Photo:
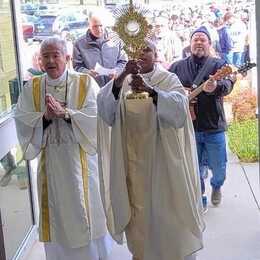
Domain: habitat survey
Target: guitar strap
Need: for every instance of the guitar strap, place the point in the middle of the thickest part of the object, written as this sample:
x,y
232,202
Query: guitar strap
x,y
204,71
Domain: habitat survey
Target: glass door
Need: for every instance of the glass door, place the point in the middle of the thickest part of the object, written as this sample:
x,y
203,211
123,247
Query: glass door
x,y
15,200
2,249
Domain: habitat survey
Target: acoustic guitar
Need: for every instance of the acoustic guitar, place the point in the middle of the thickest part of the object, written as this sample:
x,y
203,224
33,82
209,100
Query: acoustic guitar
x,y
220,74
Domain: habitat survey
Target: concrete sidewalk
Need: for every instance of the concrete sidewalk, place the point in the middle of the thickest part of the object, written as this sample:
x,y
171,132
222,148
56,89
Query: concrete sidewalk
x,y
232,229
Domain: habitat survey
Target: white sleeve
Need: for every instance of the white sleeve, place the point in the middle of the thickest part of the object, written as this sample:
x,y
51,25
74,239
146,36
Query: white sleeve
x,y
107,104
172,105
29,125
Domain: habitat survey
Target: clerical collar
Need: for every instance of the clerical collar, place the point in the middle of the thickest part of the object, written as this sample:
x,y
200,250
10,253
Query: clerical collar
x,y
149,74
57,82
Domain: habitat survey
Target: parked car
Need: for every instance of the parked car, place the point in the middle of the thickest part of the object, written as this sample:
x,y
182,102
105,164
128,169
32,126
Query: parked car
x,y
110,6
28,9
28,29
28,26
43,27
73,24
43,9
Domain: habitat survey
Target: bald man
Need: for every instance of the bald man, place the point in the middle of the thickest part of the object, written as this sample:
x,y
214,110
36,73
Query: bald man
x,y
95,47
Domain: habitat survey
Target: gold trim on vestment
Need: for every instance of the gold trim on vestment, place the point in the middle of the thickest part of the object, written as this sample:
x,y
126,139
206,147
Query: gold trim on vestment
x,y
83,81
84,166
83,89
37,93
45,217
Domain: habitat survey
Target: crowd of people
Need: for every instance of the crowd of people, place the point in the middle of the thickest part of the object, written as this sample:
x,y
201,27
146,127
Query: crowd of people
x,y
229,26
110,164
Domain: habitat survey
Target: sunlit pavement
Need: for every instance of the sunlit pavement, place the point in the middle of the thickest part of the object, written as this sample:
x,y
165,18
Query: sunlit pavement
x,y
233,228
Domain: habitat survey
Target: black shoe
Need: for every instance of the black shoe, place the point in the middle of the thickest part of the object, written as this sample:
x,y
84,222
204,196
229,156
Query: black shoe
x,y
216,196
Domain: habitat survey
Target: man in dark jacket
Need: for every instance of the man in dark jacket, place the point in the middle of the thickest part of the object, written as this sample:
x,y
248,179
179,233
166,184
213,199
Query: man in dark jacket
x,y
225,41
209,118
95,47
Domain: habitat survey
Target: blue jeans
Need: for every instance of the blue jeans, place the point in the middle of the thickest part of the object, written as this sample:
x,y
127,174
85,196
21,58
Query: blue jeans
x,y
235,58
226,57
213,147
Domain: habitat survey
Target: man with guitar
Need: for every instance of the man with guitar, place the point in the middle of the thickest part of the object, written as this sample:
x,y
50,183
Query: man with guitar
x,y
207,109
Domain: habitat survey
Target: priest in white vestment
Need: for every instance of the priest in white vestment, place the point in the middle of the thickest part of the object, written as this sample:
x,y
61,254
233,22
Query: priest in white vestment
x,y
151,188
56,119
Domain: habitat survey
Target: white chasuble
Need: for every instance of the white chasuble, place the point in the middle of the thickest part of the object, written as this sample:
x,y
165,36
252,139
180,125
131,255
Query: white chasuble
x,y
154,189
140,131
71,211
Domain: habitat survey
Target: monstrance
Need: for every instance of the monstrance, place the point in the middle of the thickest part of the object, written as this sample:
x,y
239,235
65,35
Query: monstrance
x,y
132,28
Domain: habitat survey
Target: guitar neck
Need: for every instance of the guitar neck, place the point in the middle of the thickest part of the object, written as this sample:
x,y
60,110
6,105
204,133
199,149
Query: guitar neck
x,y
221,73
199,89
196,91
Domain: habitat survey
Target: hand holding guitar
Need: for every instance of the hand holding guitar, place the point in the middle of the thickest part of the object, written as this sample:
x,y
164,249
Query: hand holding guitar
x,y
225,71
211,84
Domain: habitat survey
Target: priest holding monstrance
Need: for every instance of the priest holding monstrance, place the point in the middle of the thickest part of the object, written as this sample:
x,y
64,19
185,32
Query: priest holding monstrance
x,y
150,184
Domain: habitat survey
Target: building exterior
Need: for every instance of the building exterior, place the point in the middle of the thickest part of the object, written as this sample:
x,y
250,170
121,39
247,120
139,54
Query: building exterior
x,y
18,197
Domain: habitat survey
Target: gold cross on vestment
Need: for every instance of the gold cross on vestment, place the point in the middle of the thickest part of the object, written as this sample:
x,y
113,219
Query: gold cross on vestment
x,y
58,88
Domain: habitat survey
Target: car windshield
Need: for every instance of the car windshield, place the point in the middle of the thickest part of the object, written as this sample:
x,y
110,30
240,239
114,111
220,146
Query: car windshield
x,y
47,19
71,17
27,7
30,18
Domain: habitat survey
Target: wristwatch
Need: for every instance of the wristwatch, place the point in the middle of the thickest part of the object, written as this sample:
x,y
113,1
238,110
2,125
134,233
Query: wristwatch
x,y
67,115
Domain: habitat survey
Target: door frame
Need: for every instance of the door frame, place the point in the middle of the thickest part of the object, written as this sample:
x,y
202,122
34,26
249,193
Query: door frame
x,y
257,18
2,242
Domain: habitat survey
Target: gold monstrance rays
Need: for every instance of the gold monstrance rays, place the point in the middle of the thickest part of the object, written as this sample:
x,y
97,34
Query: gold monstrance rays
x,y
131,27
